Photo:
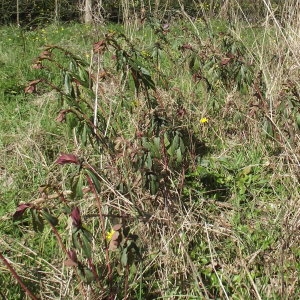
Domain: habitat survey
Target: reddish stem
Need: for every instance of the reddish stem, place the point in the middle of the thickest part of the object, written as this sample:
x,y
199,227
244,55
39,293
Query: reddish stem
x,y
17,277
99,204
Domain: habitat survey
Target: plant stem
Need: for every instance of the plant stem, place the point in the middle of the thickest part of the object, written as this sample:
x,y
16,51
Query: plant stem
x,y
17,277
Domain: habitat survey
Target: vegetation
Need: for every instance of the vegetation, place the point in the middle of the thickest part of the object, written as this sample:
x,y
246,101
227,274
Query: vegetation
x,y
151,160
38,12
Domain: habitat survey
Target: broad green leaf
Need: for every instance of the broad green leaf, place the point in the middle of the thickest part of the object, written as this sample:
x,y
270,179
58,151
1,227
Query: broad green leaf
x,y
181,145
86,243
124,257
148,161
51,219
298,120
155,147
86,274
153,184
94,179
84,76
72,65
174,145
268,128
77,185
84,135
178,156
166,140
37,221
76,239
247,170
67,84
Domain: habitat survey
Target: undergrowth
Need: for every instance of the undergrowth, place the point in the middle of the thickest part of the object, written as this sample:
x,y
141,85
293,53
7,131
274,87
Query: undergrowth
x,y
160,164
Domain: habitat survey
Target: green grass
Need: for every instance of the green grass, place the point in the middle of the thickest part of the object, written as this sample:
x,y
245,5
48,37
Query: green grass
x,y
227,226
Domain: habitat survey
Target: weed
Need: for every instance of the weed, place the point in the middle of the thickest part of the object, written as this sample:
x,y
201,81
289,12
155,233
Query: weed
x,y
160,167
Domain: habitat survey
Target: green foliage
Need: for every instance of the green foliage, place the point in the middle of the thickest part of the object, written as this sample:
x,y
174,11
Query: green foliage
x,y
170,141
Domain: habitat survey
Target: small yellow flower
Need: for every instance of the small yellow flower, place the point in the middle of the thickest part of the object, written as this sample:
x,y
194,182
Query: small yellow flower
x,y
203,120
109,234
145,54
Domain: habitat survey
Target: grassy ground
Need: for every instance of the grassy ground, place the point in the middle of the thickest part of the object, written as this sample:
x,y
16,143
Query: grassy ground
x,y
219,220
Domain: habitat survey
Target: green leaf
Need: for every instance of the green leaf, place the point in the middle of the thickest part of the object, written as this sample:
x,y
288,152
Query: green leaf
x,y
142,73
94,179
148,82
298,120
153,184
67,84
37,221
124,257
51,219
268,128
166,140
174,145
84,76
86,274
178,156
72,65
77,185
247,170
148,161
181,145
84,135
192,63
155,147
86,243
76,239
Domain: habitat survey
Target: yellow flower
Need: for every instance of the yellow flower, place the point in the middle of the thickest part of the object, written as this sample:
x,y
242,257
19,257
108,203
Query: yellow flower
x,y
203,120
109,234
145,54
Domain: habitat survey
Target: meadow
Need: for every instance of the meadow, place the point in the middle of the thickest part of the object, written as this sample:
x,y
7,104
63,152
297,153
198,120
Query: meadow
x,y
150,161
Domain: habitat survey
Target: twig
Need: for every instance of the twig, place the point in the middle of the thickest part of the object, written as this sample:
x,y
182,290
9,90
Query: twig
x,y
17,277
99,205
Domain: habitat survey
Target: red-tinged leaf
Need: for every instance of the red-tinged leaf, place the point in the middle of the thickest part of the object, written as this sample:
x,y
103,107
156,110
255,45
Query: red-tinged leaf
x,y
99,46
70,263
115,236
68,159
76,218
225,61
181,112
113,245
37,65
117,227
62,115
72,256
166,26
186,47
45,54
20,210
31,88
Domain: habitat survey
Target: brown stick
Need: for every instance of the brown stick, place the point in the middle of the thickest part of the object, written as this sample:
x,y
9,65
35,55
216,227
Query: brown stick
x,y
17,277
